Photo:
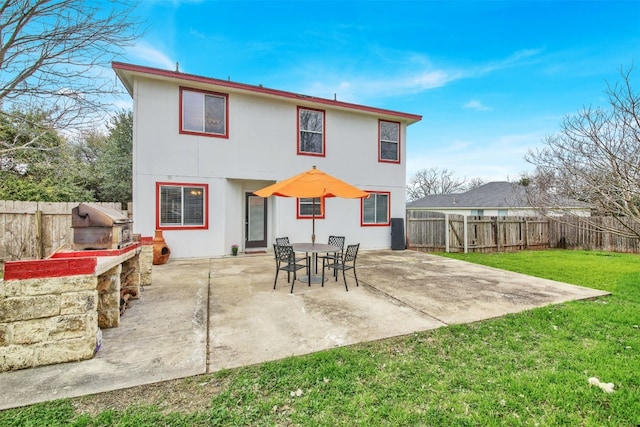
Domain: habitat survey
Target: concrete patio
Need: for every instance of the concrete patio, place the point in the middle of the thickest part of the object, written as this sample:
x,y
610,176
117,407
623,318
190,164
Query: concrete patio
x,y
204,315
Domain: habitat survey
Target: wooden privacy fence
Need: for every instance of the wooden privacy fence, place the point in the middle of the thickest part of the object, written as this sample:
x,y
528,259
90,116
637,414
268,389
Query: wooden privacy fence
x,y
435,231
34,230
440,232
587,233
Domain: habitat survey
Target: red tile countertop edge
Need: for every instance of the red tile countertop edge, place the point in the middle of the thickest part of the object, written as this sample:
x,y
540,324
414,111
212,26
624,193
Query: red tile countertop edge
x,y
61,264
52,267
95,252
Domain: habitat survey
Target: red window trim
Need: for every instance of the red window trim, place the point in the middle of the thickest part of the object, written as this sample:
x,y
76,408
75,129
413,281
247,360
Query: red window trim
x,y
380,159
324,132
300,216
226,114
179,227
388,223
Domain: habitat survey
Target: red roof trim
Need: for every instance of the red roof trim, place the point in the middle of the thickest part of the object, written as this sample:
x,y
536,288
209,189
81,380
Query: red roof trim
x,y
258,89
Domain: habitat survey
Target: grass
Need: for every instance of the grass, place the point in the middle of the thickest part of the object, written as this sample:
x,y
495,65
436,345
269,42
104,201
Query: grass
x,y
528,369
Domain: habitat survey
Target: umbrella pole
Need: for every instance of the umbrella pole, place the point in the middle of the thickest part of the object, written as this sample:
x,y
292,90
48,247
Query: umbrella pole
x,y
313,221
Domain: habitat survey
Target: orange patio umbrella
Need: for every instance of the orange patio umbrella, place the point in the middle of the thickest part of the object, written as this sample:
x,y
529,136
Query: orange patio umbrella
x,y
312,183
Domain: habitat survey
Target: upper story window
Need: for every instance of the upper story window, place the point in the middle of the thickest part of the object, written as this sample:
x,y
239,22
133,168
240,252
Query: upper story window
x,y
389,142
203,113
181,206
310,132
307,207
376,208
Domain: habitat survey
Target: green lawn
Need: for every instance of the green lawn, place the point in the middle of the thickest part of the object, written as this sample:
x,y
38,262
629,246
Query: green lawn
x,y
529,369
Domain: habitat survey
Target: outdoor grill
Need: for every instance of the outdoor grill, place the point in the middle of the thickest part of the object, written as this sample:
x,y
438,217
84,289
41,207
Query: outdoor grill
x,y
99,227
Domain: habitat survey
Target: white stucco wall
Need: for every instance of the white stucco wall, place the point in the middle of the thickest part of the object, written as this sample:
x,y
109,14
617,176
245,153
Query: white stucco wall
x,y
260,150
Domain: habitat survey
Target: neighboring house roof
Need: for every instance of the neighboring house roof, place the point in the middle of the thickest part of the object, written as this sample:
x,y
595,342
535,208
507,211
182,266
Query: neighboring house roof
x,y
127,72
498,194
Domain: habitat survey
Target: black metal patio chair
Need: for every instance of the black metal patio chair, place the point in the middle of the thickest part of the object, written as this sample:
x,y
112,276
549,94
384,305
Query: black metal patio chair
x,y
286,261
336,256
348,262
285,241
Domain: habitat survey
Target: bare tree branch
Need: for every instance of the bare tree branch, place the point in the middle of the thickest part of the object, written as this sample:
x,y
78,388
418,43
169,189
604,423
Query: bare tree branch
x,y
55,57
595,158
437,181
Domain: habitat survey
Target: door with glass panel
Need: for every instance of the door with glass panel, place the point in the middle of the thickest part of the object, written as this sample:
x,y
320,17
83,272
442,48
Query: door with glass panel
x,y
255,221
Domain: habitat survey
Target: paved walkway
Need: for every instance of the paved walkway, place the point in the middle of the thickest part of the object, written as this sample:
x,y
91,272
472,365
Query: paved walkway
x,y
203,315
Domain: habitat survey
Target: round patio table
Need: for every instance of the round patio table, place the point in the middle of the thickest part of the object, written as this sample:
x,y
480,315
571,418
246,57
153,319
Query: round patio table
x,y
313,248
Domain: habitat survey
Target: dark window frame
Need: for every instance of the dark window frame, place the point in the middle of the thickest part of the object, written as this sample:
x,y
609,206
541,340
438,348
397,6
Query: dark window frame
x,y
320,204
300,131
225,120
373,196
160,225
382,140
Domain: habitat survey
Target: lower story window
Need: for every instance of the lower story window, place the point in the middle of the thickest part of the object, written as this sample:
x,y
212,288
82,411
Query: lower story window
x,y
376,208
181,206
310,207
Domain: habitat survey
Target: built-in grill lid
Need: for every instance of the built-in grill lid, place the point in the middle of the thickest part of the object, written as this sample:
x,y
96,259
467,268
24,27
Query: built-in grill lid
x,y
92,215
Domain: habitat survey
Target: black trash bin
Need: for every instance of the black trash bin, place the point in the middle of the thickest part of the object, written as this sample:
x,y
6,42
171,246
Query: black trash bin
x,y
398,241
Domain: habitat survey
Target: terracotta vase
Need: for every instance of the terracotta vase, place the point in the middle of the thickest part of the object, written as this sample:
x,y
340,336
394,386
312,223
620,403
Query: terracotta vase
x,y
161,251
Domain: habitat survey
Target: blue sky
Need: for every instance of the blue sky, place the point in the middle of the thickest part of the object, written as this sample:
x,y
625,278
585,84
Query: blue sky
x,y
490,78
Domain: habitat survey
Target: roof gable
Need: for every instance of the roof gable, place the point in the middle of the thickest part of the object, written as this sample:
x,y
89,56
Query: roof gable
x,y
127,72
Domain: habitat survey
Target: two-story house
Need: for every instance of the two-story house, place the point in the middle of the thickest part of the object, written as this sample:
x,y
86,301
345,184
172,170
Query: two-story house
x,y
202,146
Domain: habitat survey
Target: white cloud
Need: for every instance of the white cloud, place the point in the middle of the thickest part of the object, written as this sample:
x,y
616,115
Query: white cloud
x,y
123,104
414,74
474,104
523,54
434,79
151,56
360,89
197,33
515,59
493,158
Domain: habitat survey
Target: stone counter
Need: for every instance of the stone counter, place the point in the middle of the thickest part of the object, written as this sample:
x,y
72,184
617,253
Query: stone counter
x,y
51,309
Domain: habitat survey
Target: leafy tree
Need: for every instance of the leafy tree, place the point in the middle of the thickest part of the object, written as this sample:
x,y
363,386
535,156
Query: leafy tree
x,y
44,173
114,162
54,57
86,150
595,158
45,190
96,166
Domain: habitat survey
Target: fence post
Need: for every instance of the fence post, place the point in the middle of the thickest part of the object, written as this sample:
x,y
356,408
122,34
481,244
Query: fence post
x,y
39,234
446,233
498,236
464,234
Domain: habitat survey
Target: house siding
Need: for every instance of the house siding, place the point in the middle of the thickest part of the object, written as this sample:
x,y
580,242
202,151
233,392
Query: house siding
x,y
260,149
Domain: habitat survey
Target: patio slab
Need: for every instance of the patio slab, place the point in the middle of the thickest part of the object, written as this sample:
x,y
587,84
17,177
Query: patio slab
x,y
250,322
454,291
203,315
